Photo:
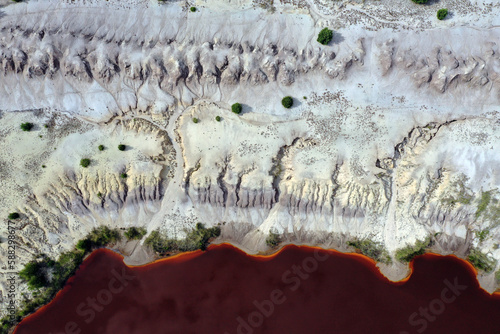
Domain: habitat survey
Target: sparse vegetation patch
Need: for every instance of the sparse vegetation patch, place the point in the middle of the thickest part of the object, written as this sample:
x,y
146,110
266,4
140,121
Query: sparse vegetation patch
x,y
372,249
481,261
135,233
273,240
197,238
407,253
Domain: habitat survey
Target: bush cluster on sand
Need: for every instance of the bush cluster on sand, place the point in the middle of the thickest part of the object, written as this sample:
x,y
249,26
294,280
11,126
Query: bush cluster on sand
x,y
287,102
26,126
407,253
197,238
325,36
13,215
442,13
481,261
135,233
372,249
237,108
101,147
195,120
420,2
122,147
85,163
273,240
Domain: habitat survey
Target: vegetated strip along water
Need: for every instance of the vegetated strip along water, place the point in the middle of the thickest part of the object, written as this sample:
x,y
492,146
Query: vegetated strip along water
x,y
298,290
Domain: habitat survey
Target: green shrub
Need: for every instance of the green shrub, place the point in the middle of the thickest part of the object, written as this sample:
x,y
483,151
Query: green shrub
x,y
421,2
482,235
14,215
325,36
217,118
26,126
101,147
34,274
236,108
43,166
99,194
103,235
481,261
85,163
193,9
273,240
287,102
123,175
135,233
442,13
197,238
122,147
195,120
372,249
84,245
407,253
483,203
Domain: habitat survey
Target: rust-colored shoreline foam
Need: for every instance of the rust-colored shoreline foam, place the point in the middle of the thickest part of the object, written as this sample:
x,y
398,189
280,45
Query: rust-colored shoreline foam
x,y
187,256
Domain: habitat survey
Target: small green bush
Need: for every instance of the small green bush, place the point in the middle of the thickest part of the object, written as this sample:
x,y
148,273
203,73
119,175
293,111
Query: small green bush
x,y
372,249
481,261
195,120
273,240
420,2
197,238
46,126
34,274
193,9
237,108
122,147
26,126
407,253
43,166
325,36
217,118
99,194
14,215
135,233
85,163
101,147
442,13
287,102
123,175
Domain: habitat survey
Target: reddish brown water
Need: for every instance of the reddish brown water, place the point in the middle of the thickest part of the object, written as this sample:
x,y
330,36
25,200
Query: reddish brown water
x,y
300,290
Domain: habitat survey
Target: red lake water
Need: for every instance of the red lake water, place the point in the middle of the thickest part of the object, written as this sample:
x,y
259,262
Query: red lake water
x,y
299,290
